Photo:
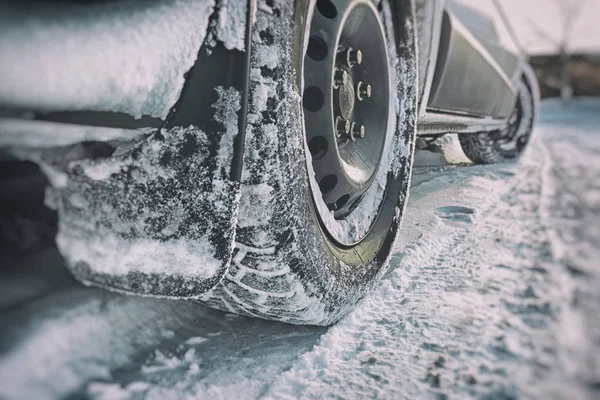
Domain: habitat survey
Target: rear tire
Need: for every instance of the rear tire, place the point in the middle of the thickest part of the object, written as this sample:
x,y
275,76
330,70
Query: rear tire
x,y
287,265
506,145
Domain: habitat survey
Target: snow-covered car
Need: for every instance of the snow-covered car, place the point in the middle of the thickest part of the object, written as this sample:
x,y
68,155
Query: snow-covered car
x,y
254,156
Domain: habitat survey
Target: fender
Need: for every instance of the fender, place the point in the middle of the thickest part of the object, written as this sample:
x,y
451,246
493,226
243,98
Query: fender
x,y
156,216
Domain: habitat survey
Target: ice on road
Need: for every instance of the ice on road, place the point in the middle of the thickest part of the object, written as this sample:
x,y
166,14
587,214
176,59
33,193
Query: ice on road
x,y
493,292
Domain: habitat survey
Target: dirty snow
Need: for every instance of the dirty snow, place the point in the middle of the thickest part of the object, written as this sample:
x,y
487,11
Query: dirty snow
x,y
87,63
106,247
166,223
493,293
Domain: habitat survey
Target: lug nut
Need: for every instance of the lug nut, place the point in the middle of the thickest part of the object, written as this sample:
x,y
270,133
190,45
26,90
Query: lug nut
x,y
342,127
363,91
340,77
358,131
353,57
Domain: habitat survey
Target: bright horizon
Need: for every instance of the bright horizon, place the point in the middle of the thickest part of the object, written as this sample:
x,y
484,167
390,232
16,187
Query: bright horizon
x,y
585,35
523,14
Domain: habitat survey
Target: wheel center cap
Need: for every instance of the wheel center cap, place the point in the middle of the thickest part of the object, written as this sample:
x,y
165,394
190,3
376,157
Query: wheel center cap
x,y
346,99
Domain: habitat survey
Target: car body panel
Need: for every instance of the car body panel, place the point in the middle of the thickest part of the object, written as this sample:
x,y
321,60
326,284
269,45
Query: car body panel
x,y
467,79
483,26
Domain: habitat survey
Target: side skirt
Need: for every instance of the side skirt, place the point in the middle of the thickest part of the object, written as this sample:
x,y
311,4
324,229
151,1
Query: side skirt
x,y
441,123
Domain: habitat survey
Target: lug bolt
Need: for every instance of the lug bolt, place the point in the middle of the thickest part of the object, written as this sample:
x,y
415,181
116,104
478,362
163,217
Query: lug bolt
x,y
363,91
358,131
340,77
342,127
353,57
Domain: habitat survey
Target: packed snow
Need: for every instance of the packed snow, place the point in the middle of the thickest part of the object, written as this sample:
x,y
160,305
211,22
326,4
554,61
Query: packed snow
x,y
493,292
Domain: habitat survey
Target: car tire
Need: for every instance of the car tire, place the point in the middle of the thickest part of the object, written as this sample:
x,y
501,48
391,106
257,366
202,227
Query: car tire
x,y
287,265
506,145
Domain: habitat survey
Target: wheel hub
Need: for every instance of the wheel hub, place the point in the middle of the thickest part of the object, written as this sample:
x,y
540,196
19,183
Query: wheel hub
x,y
346,99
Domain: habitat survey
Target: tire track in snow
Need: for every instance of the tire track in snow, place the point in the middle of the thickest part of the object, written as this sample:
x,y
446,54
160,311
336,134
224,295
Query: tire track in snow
x,y
571,213
474,309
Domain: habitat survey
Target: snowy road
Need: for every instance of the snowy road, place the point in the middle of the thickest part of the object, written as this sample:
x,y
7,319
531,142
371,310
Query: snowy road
x,y
494,293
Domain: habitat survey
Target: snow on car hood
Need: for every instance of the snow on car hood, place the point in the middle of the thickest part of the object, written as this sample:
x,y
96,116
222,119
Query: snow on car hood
x,y
127,57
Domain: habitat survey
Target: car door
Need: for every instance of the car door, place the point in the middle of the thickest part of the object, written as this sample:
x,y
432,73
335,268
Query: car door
x,y
493,33
474,70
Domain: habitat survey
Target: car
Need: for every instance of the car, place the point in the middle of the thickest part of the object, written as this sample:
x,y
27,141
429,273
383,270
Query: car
x,y
253,156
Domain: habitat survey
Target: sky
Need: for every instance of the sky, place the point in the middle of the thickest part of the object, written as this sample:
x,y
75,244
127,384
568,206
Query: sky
x,y
529,17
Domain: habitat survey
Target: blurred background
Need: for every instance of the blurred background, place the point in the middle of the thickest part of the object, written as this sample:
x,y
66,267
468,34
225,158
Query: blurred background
x,y
562,38
64,340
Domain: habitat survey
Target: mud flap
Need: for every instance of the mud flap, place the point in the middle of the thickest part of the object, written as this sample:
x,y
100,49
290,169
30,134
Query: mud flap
x,y
153,221
158,216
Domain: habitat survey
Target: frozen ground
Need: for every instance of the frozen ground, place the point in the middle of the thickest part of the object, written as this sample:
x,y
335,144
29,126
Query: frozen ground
x,y
494,293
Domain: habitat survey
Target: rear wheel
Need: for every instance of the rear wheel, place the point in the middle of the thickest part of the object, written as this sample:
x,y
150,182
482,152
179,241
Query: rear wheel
x,y
328,160
508,144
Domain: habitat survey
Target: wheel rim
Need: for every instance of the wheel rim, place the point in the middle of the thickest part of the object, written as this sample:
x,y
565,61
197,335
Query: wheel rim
x,y
346,100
